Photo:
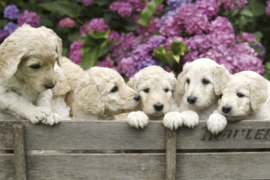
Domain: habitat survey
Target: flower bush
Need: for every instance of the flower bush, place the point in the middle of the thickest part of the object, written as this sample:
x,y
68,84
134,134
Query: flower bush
x,y
130,35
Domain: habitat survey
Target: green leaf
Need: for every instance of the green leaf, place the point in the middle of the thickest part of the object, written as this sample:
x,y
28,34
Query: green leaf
x,y
107,17
178,48
3,22
258,9
246,12
100,34
258,35
67,8
73,36
148,12
164,55
89,56
46,22
88,41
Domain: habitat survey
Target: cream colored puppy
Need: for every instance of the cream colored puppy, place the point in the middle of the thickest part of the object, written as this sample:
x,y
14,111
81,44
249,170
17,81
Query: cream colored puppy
x,y
156,87
199,85
102,93
27,60
246,97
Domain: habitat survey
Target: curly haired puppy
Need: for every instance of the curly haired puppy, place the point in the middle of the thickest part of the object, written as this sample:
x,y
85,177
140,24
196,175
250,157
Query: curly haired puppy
x,y
156,87
246,97
27,60
102,93
199,85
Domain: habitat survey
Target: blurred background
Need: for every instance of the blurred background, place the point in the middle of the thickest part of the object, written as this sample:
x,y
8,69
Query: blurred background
x,y
128,35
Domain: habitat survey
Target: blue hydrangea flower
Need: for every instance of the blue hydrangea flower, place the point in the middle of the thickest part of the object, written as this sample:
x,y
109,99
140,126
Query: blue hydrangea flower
x,y
10,27
3,35
11,12
174,4
146,63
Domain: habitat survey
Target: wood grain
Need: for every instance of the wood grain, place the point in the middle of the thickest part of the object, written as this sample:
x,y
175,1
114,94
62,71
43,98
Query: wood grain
x,y
170,154
7,168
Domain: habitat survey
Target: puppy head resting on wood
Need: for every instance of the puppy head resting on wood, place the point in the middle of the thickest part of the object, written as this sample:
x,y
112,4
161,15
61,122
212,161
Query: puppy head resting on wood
x,y
246,94
200,82
30,54
102,93
156,87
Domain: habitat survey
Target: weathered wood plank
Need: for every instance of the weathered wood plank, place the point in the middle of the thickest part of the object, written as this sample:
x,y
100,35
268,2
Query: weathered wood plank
x,y
94,135
96,166
7,168
219,166
19,151
170,154
6,141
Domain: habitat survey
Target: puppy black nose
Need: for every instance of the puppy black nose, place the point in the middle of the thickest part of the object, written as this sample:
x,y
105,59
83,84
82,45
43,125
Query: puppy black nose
x,y
137,97
226,109
191,99
49,86
158,107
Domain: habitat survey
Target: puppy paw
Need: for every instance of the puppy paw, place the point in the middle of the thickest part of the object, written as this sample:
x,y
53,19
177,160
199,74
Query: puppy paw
x,y
52,119
37,115
190,118
173,120
216,123
137,119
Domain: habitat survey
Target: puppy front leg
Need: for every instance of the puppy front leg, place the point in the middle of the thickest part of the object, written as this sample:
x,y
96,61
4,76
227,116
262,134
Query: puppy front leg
x,y
44,101
21,108
216,122
137,119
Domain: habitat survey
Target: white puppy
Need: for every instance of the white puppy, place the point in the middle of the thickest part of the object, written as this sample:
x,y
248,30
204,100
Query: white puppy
x,y
156,87
199,85
27,60
102,93
246,97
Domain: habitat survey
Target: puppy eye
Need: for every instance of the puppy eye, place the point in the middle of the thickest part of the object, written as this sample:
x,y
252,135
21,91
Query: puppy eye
x,y
220,96
240,95
35,66
188,81
146,90
204,81
114,89
166,90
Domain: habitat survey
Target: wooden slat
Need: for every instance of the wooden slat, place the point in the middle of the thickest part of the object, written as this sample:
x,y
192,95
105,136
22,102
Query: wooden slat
x,y
19,151
170,154
97,166
237,135
7,168
94,135
219,166
6,141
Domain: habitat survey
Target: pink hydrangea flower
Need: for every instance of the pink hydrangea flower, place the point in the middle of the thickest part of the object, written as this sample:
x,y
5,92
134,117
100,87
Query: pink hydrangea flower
x,y
268,8
171,27
246,37
126,66
208,7
113,36
233,4
87,2
75,51
30,18
153,27
67,22
96,24
107,63
124,9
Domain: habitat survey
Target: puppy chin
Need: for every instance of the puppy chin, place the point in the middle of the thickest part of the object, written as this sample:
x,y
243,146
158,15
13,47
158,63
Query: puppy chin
x,y
231,117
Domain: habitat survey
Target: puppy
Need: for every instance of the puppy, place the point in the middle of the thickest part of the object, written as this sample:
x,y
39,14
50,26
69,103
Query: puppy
x,y
198,87
27,60
246,97
102,93
156,88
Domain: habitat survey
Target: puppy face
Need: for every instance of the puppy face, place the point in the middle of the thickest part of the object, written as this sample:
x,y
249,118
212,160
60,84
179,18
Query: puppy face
x,y
200,82
243,95
103,91
155,87
30,54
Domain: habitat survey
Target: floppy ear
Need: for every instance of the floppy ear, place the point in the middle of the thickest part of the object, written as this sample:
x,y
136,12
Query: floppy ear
x,y
134,81
62,87
57,41
181,79
88,98
258,94
10,57
172,80
221,78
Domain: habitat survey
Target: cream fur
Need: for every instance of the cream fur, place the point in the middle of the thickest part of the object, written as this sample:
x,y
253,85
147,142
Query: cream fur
x,y
161,86
202,79
102,93
27,60
254,101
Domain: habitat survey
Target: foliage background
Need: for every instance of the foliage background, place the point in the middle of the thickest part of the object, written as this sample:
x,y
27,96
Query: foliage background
x,y
251,18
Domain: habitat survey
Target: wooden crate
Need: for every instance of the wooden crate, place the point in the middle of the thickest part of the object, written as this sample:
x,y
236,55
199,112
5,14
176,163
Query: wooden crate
x,y
241,151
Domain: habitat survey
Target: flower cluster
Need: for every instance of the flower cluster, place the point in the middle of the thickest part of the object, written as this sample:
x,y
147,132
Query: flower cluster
x,y
96,24
67,22
268,8
30,18
11,12
75,51
87,2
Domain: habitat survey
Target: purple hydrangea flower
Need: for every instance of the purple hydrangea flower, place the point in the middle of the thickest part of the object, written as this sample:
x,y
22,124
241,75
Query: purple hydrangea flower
x,y
174,4
268,8
233,4
146,63
126,66
75,51
87,2
156,41
11,12
208,7
3,35
96,24
124,9
246,37
107,63
30,18
10,27
171,27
